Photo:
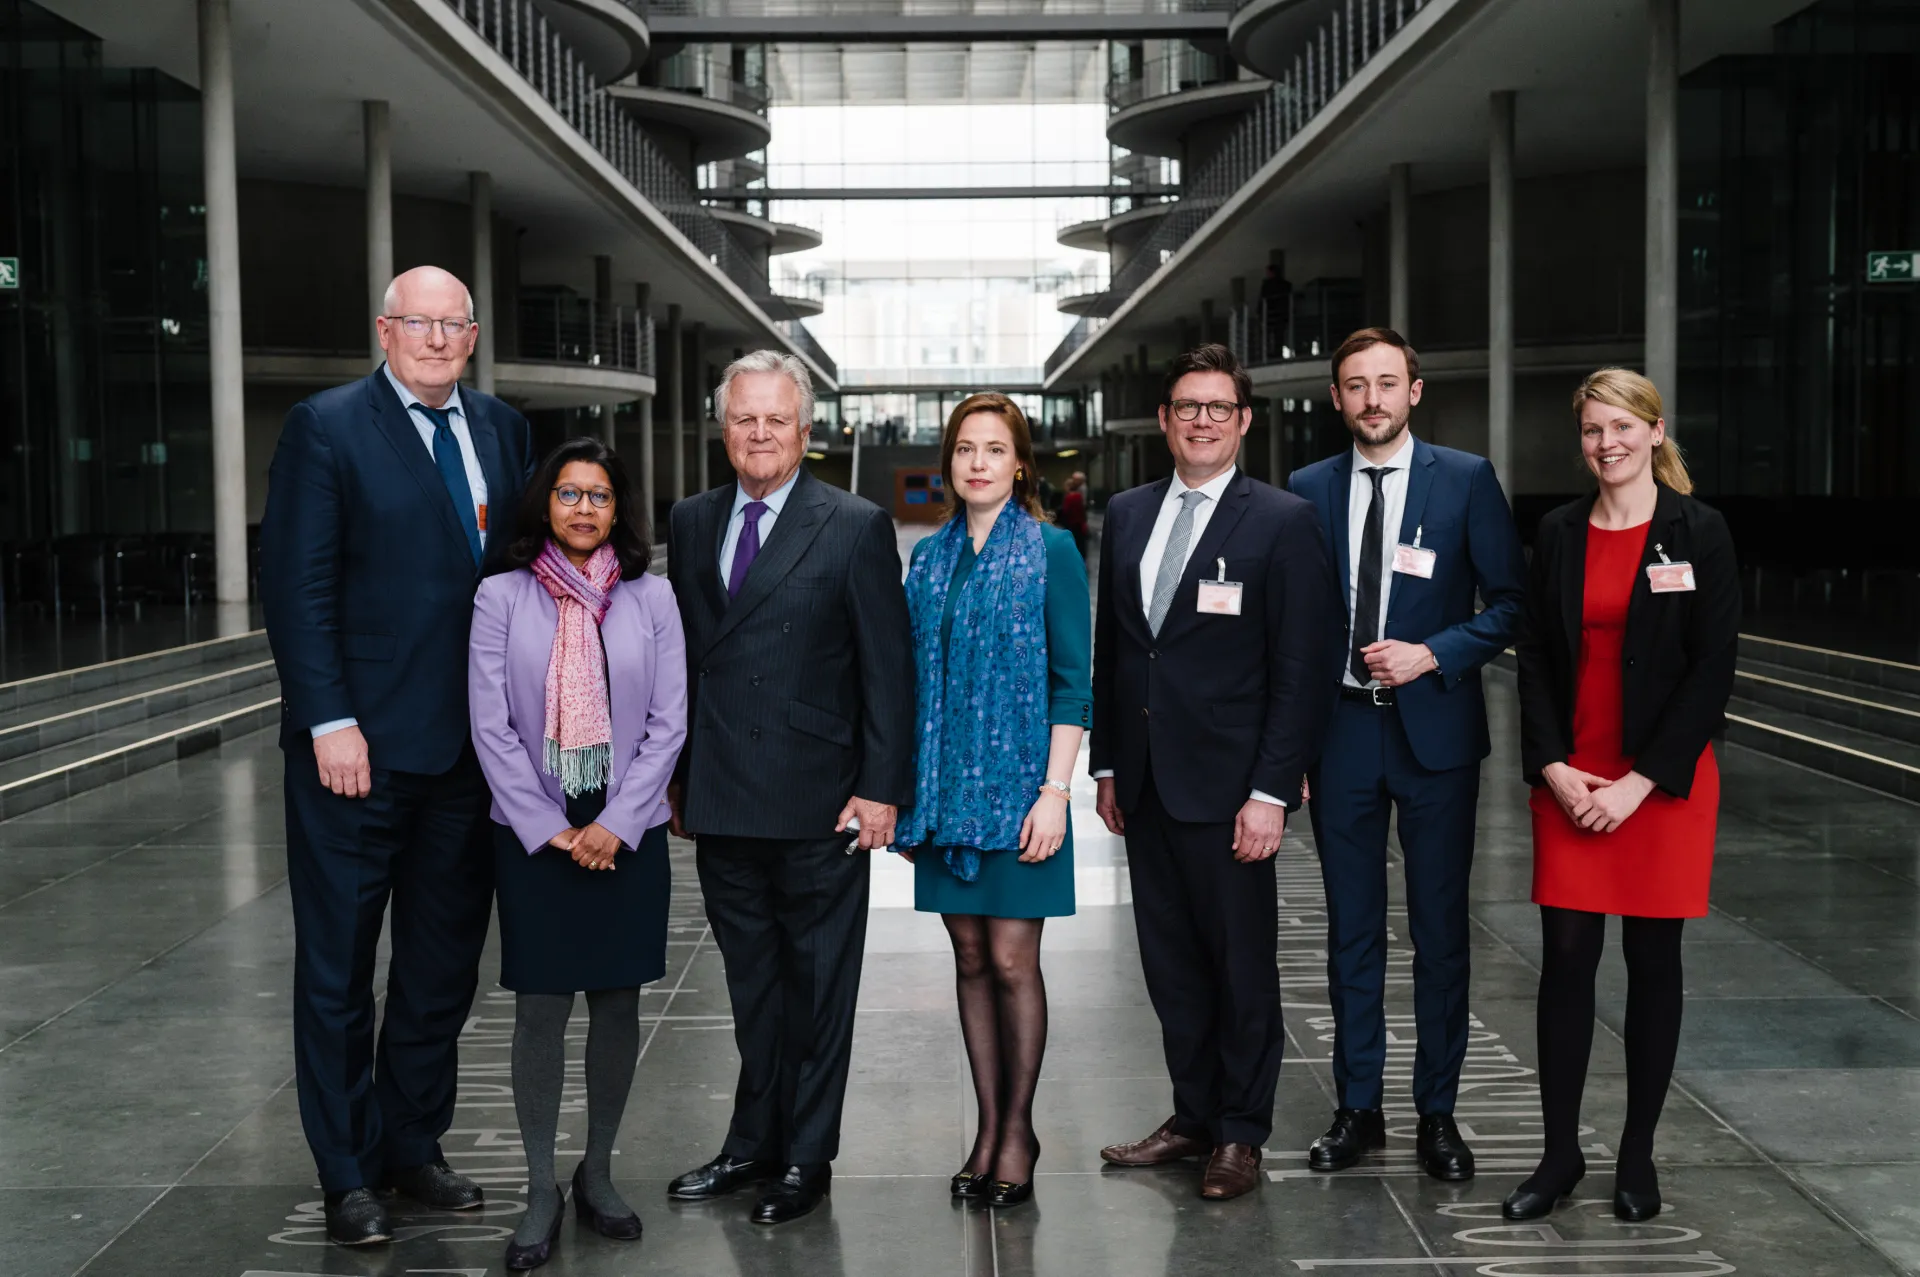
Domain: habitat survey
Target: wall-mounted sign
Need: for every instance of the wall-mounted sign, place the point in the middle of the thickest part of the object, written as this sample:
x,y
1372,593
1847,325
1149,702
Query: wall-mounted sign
x,y
9,273
1902,267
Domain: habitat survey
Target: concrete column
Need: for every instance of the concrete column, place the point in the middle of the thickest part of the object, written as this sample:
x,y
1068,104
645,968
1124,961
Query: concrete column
x,y
1399,247
224,350
486,350
1663,199
605,339
1275,445
673,391
378,130
1500,287
642,297
696,392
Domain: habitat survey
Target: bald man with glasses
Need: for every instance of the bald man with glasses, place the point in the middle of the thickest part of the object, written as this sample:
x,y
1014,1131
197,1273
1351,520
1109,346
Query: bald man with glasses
x,y
374,540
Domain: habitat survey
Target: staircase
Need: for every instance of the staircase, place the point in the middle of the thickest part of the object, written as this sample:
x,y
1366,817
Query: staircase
x,y
65,733
1856,717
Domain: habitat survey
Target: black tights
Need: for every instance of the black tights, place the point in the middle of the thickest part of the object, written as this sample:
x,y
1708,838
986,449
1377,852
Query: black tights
x,y
1573,941
1003,1017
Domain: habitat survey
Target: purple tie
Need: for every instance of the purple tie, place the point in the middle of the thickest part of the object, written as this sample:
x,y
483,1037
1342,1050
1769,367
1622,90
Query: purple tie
x,y
747,549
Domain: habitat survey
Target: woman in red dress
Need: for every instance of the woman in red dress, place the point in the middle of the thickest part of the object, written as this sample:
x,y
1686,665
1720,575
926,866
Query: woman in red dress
x,y
1626,663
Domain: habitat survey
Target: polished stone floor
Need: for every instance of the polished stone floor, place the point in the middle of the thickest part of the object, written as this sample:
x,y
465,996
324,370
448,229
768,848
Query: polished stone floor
x,y
148,1124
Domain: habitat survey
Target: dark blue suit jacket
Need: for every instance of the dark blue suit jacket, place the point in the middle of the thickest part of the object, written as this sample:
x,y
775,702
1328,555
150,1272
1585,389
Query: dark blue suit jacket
x,y
366,576
1455,502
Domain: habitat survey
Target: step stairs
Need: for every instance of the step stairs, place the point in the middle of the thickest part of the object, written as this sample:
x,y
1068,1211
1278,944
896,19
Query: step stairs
x,y
1855,717
65,733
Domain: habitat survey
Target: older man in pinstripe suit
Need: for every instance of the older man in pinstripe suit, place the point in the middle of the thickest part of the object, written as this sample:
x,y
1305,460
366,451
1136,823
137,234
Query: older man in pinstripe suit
x,y
800,725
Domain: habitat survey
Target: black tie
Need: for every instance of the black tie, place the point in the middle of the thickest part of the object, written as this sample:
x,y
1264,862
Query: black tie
x,y
453,473
1366,601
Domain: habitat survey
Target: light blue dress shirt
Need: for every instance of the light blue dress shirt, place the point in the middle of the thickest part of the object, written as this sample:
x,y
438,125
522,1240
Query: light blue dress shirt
x,y
776,501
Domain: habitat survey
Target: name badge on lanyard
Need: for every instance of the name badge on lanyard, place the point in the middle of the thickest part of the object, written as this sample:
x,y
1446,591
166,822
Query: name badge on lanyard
x,y
1411,560
1219,597
1668,577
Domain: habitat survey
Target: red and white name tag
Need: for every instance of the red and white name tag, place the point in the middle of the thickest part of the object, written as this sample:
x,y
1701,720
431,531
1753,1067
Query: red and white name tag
x,y
1411,560
1670,578
1219,597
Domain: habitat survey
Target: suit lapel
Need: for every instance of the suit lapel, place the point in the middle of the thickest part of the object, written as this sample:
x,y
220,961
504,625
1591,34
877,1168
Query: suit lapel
x,y
1573,581
1337,497
1413,514
395,423
709,533
502,493
799,523
1666,513
1233,504
1129,547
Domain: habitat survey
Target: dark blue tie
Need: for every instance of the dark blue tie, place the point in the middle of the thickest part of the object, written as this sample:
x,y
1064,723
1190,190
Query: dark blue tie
x,y
453,473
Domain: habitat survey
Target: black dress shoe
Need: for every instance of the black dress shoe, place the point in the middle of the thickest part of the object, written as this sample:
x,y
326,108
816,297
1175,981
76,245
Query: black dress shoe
x,y
356,1218
1353,1133
1537,1196
720,1176
967,1185
1636,1208
437,1185
1004,1193
521,1258
621,1228
1443,1154
798,1191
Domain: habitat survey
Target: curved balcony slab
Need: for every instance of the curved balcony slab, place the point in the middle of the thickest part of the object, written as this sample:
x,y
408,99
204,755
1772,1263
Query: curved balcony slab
x,y
1136,216
1098,305
721,130
610,37
526,385
777,237
1091,236
802,307
1157,125
1266,34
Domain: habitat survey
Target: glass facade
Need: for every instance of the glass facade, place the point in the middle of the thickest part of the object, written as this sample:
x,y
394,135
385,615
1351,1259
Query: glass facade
x,y
104,419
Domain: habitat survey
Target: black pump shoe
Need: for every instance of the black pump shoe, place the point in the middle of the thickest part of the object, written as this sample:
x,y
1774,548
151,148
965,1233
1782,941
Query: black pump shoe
x,y
620,1228
1005,1194
1636,1208
968,1185
522,1258
1527,1203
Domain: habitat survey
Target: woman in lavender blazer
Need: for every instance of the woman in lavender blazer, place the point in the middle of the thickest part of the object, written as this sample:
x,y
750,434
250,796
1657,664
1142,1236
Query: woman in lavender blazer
x,y
576,683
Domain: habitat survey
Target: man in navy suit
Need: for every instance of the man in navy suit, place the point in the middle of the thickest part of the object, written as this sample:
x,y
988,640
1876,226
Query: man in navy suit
x,y
375,537
1416,530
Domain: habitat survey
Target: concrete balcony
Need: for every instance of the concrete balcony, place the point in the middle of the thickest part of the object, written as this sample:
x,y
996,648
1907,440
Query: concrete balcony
x,y
775,238
695,93
609,36
1266,35
1159,122
1086,298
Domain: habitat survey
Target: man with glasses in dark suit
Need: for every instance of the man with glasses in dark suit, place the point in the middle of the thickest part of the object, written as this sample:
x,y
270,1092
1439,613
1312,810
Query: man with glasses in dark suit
x,y
373,542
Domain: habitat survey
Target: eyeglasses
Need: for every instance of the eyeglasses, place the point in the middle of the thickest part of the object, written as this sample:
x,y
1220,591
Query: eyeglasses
x,y
570,496
1189,409
418,326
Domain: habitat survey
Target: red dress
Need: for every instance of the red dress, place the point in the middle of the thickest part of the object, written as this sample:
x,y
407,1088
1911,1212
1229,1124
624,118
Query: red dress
x,y
1658,863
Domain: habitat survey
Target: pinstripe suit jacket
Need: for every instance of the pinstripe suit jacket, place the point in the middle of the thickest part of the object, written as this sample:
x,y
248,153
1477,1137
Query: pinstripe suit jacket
x,y
800,689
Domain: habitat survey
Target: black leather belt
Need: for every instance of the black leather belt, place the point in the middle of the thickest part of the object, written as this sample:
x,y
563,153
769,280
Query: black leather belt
x,y
1379,697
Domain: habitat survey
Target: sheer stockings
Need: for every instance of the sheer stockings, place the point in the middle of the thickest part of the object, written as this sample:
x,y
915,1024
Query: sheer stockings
x,y
1003,1018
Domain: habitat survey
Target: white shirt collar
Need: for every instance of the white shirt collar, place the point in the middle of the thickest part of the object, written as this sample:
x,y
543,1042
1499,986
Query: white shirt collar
x,y
408,399
1400,460
1213,487
776,500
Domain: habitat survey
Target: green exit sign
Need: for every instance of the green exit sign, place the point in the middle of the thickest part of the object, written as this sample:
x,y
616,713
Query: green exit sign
x,y
9,273
1901,267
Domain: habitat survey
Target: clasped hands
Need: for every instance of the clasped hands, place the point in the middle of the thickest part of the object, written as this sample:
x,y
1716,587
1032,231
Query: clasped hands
x,y
592,848
1593,802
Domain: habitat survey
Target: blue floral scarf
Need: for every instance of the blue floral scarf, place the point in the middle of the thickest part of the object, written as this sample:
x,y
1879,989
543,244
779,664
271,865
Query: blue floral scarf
x,y
981,739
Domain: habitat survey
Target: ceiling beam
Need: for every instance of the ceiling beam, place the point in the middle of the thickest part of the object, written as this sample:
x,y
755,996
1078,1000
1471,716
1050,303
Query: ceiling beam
x,y
936,29
931,192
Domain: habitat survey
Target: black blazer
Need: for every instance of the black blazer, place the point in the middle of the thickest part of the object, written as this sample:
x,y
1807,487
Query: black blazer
x,y
1680,647
366,577
1224,704
800,690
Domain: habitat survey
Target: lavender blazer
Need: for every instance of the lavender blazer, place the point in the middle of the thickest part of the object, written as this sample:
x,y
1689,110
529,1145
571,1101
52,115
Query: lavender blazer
x,y
513,623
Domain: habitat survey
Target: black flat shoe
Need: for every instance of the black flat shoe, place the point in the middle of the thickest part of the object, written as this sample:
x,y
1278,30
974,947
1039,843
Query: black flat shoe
x,y
967,1185
620,1228
437,1185
521,1258
1354,1132
1527,1203
1005,1194
356,1218
722,1175
1443,1154
1636,1207
798,1191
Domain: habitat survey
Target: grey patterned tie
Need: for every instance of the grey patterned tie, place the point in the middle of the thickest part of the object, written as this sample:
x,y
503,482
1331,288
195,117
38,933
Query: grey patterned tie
x,y
1174,561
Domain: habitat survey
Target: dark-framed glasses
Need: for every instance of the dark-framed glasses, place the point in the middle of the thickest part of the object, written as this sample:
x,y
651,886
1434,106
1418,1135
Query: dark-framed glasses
x,y
418,326
570,496
1189,409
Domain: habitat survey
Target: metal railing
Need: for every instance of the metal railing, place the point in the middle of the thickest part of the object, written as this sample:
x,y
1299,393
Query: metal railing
x,y
1077,336
699,71
1176,72
520,33
1350,38
572,330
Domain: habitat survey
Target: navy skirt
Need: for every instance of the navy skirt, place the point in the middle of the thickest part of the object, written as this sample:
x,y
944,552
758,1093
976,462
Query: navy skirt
x,y
569,929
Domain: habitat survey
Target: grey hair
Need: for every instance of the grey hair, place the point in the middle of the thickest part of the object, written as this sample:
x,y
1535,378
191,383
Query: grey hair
x,y
767,361
390,300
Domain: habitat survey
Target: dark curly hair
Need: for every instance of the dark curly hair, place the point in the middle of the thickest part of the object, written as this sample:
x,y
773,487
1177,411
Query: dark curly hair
x,y
629,535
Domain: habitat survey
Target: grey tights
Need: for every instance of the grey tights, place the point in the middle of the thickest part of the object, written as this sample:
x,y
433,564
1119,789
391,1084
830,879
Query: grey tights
x,y
539,1073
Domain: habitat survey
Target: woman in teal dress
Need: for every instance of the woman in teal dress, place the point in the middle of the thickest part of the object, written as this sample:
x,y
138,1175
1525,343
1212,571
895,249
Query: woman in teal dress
x,y
1003,640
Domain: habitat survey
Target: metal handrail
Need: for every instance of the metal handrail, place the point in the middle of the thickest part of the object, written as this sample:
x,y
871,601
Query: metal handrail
x,y
1183,69
572,330
520,34
1350,38
697,71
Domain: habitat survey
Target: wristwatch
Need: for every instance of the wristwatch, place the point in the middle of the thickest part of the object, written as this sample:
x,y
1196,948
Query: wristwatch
x,y
1059,787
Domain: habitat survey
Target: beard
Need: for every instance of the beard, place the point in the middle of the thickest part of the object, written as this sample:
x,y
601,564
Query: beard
x,y
1375,433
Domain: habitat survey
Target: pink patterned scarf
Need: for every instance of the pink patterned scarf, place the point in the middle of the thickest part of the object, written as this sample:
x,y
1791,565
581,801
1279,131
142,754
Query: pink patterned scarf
x,y
579,731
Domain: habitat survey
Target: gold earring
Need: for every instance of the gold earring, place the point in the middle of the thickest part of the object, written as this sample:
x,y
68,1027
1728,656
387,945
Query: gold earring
x,y
1019,474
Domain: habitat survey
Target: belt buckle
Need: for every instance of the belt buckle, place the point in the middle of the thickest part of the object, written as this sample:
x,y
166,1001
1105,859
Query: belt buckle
x,y
1380,696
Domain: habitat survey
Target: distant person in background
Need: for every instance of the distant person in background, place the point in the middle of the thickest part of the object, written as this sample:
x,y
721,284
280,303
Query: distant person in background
x,y
577,680
1003,643
1073,511
1626,663
374,540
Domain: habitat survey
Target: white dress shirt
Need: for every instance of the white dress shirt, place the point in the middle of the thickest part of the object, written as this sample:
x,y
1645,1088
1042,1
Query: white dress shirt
x,y
469,461
1156,550
737,521
1393,491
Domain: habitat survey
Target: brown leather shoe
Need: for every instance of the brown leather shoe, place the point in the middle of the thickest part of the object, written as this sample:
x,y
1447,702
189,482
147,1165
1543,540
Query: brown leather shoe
x,y
1164,1145
1232,1170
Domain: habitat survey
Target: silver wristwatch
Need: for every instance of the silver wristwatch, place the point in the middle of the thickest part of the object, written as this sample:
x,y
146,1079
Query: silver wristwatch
x,y
1059,787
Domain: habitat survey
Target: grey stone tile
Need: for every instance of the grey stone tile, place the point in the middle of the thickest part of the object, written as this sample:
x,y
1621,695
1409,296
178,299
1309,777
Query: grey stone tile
x,y
1818,1115
1797,1033
51,1232
1881,1201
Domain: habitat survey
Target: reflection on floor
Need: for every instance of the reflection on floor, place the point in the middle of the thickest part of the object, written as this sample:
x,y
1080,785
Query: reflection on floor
x,y
148,1124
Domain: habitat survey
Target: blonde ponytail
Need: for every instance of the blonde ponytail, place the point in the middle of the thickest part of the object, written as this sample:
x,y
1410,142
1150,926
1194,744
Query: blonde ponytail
x,y
1627,390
